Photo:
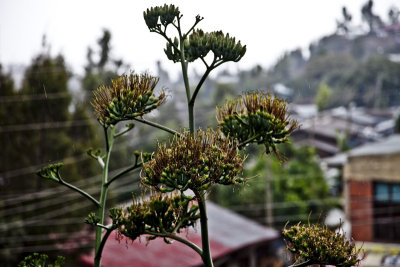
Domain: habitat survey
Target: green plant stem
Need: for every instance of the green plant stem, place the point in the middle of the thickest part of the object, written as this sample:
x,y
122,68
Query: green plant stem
x,y
207,259
103,196
80,191
244,143
302,264
156,125
200,84
122,173
101,246
179,239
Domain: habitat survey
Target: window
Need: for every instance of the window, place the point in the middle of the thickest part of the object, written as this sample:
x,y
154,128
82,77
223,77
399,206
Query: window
x,y
387,212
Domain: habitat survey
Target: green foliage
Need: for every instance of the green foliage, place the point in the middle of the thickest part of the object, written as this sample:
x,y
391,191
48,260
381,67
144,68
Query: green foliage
x,y
44,108
323,96
314,244
297,186
39,260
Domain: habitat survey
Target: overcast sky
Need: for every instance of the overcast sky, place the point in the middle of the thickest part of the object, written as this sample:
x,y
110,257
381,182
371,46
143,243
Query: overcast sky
x,y
268,27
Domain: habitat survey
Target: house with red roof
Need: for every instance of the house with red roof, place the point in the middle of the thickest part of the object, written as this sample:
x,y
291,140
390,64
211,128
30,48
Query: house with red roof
x,y
234,241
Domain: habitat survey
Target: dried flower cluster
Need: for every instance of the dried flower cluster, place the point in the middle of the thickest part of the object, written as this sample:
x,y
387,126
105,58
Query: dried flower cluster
x,y
256,118
193,162
160,213
129,96
319,245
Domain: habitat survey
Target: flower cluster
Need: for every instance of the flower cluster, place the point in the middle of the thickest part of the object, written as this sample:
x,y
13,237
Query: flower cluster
x,y
37,259
193,162
224,47
158,214
164,14
129,96
319,245
256,118
51,171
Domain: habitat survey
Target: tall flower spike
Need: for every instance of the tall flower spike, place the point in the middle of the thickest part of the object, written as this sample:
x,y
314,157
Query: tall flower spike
x,y
256,118
194,162
129,96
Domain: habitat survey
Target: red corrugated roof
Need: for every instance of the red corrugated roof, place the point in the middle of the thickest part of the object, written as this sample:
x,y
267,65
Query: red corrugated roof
x,y
228,231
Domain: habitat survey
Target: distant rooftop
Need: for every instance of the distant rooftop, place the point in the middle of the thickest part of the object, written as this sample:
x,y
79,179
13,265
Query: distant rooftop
x,y
391,145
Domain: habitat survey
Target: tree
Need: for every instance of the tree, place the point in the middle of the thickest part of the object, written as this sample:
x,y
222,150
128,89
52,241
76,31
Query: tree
x,y
297,185
31,119
343,25
323,96
374,21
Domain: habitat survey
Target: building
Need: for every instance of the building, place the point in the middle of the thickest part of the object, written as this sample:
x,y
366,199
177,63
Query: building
x,y
372,191
234,240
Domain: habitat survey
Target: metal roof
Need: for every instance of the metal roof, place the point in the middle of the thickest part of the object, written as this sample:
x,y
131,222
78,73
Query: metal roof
x,y
228,232
390,145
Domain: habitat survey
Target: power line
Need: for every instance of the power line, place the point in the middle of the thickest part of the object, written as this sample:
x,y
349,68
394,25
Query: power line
x,y
62,211
52,202
34,97
69,160
45,125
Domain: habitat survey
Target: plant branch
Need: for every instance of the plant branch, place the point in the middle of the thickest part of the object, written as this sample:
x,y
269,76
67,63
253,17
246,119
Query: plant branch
x,y
198,19
304,263
203,78
156,125
106,227
200,196
103,242
179,239
204,61
80,191
244,143
103,196
128,128
122,173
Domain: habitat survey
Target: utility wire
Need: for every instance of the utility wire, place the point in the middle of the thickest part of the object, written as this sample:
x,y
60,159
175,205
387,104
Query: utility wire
x,y
34,97
64,210
66,198
45,125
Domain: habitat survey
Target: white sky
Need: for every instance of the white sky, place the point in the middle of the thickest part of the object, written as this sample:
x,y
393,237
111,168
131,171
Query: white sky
x,y
268,27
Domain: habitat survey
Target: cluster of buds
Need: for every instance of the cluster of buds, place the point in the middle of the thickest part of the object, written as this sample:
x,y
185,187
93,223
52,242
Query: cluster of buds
x,y
37,259
193,162
158,214
160,14
51,171
256,118
129,96
319,245
224,47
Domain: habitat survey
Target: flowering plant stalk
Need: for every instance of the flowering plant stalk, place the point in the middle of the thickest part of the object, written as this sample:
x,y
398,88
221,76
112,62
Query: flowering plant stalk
x,y
179,173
